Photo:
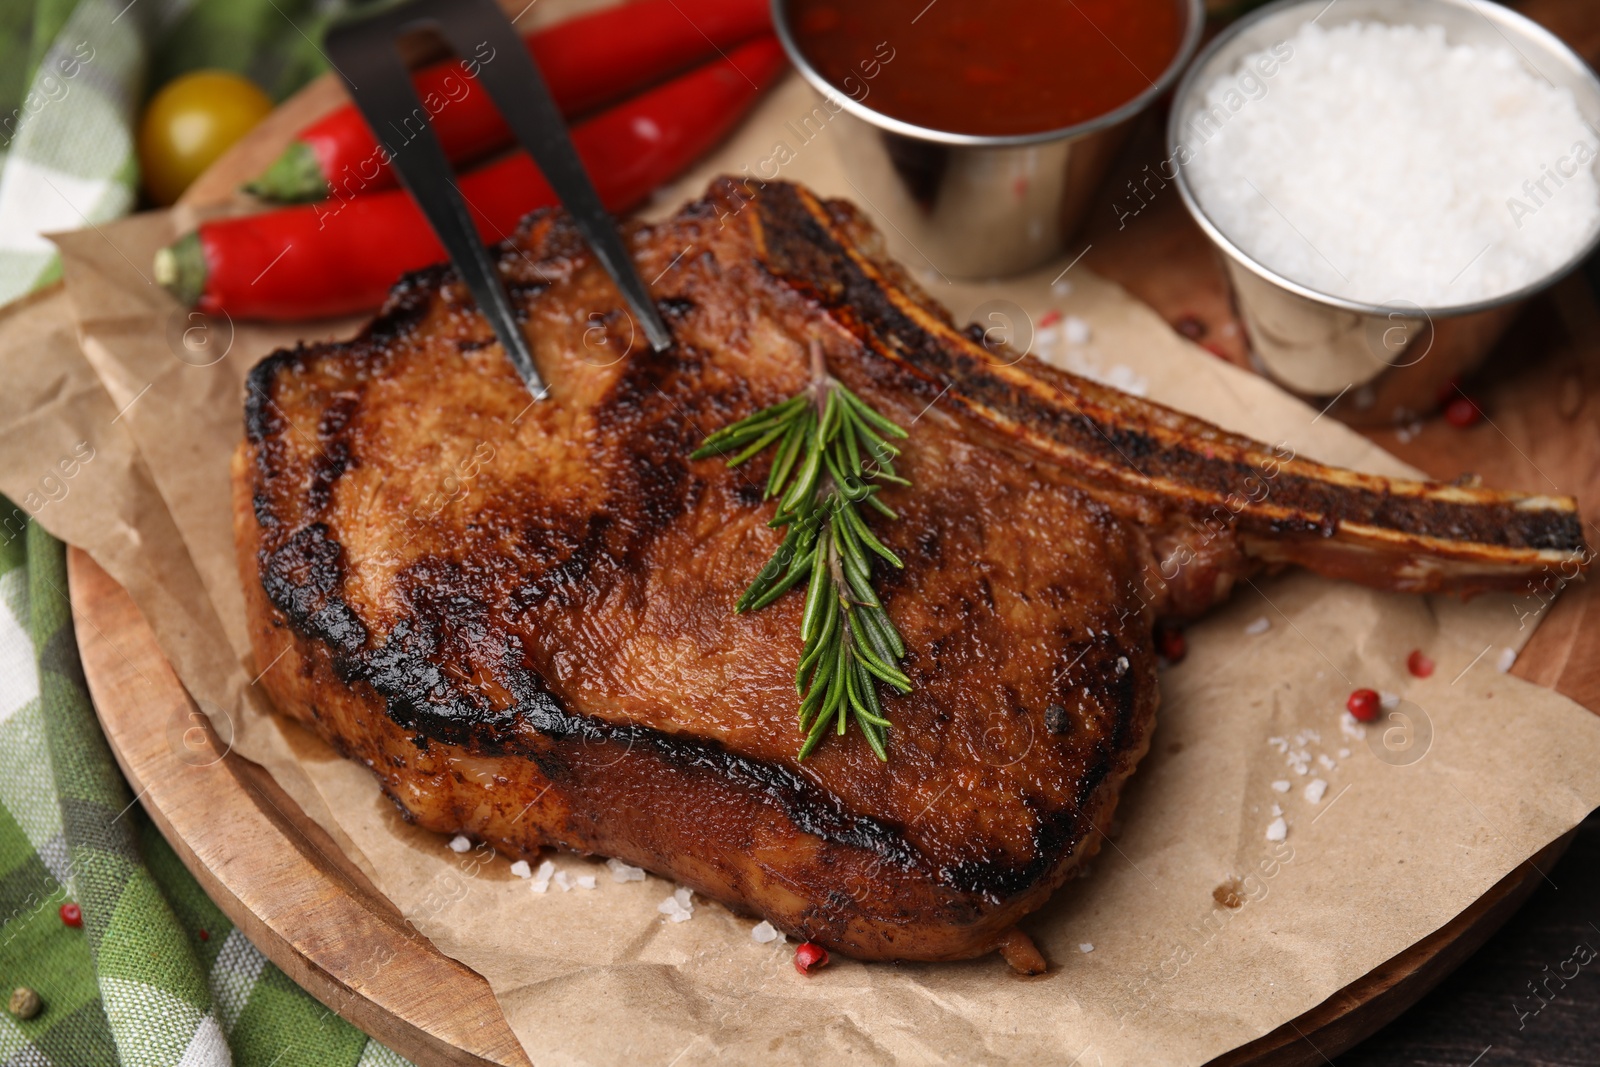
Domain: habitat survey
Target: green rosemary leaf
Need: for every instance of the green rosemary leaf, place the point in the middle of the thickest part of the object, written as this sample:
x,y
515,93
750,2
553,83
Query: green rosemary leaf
x,y
890,674
788,452
817,730
867,627
813,652
805,482
759,444
869,709
879,506
830,417
835,472
852,435
816,592
865,535
881,451
863,409
876,621
873,732
831,453
799,569
836,680
860,583
719,442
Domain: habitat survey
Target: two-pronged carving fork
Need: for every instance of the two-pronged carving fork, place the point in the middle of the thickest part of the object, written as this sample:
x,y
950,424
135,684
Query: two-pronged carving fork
x,y
363,50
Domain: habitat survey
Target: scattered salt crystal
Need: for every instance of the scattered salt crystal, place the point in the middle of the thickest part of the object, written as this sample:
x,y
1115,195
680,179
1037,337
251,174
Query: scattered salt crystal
x,y
1365,169
541,877
1277,809
763,932
1061,288
1315,790
563,881
521,869
1350,727
1077,330
1344,753
1504,662
1047,337
586,881
623,872
1259,626
678,907
1085,948
1324,761
1388,700
460,843
1281,785
1277,830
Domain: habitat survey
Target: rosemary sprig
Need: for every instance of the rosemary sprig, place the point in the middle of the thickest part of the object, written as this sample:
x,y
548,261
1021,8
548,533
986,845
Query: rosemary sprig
x,y
833,456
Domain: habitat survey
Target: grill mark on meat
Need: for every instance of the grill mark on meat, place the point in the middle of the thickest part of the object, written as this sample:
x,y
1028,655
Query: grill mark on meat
x,y
303,579
453,660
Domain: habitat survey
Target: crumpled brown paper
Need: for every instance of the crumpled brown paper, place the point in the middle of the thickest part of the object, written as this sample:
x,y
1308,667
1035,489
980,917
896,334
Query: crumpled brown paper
x,y
1416,818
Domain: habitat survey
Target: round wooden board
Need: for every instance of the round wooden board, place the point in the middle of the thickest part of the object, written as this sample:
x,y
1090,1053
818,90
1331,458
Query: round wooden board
x,y
274,872
284,881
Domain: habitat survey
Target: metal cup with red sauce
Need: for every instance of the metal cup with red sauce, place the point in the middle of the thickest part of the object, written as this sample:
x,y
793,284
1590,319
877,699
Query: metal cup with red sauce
x,y
977,130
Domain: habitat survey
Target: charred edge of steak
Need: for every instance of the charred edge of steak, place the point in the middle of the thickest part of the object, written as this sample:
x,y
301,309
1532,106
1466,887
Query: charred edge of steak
x,y
302,576
807,252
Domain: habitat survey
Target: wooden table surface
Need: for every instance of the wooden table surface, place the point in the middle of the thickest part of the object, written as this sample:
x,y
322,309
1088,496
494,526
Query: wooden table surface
x,y
1547,368
1485,1014
1540,391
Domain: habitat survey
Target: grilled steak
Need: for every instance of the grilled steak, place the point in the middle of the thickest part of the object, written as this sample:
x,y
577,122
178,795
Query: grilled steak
x,y
520,615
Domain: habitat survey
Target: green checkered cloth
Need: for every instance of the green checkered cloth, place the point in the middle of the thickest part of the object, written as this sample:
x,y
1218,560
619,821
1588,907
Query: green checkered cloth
x,y
156,975
73,76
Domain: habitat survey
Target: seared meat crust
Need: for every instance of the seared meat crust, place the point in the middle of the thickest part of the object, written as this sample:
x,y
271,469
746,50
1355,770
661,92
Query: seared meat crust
x,y
519,615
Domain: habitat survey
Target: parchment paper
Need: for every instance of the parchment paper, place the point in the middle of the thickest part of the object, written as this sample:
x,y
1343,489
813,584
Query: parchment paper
x,y
1417,819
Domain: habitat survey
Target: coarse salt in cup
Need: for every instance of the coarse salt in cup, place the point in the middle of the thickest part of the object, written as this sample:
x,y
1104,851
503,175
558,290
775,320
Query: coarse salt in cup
x,y
1387,183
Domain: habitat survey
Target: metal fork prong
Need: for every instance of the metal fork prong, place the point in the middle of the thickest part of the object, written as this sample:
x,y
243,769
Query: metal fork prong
x,y
389,103
519,91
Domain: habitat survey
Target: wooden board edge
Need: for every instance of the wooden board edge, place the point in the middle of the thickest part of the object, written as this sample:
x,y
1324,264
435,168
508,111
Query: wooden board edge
x,y
265,863
1376,999
237,800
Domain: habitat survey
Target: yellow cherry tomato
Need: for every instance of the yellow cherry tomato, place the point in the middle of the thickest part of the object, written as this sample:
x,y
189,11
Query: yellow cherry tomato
x,y
189,123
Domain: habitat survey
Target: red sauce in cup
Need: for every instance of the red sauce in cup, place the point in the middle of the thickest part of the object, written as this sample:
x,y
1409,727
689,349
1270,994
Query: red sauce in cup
x,y
989,67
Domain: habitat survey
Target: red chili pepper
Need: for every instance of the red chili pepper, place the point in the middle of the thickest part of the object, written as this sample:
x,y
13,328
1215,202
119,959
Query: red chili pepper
x,y
588,62
1419,665
1363,705
71,914
335,258
810,957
